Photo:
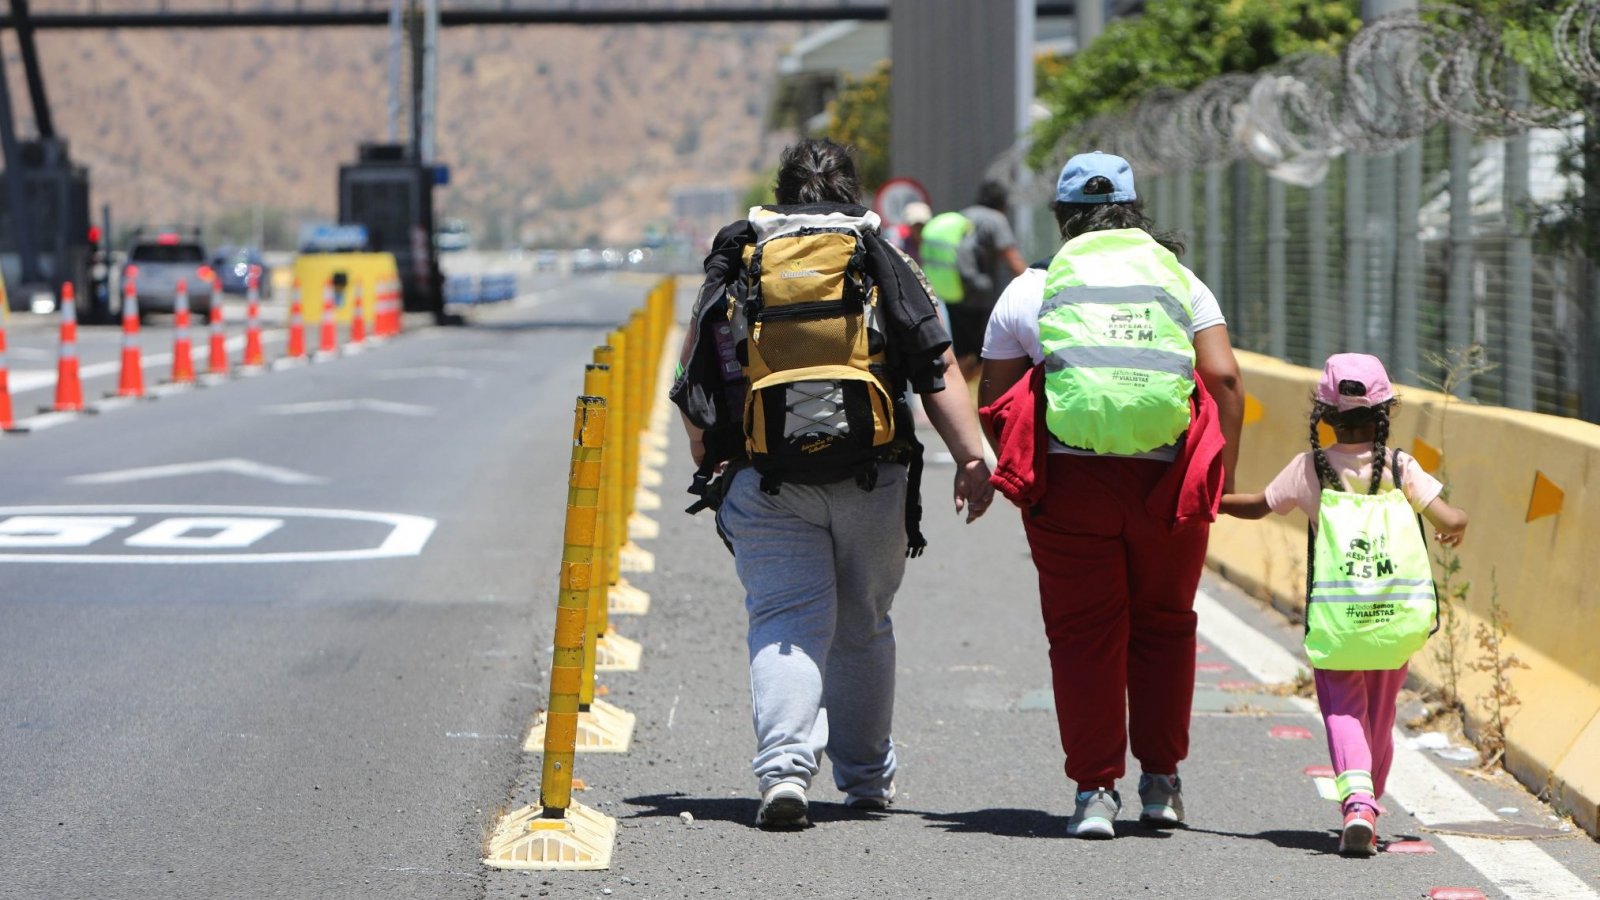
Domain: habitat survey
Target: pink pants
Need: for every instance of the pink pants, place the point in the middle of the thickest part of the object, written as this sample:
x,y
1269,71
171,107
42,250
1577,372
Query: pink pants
x,y
1358,710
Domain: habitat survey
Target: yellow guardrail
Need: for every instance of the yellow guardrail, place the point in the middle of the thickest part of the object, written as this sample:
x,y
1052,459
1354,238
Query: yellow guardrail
x,y
1531,484
617,439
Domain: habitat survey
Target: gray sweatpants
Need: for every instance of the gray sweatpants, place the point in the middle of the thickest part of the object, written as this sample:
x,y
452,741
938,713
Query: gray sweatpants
x,y
820,565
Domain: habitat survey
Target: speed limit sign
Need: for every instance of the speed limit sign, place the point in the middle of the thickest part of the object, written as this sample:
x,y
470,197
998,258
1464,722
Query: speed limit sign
x,y
892,198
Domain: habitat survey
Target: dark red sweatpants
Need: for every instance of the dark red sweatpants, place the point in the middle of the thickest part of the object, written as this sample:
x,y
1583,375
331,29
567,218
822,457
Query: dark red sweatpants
x,y
1117,591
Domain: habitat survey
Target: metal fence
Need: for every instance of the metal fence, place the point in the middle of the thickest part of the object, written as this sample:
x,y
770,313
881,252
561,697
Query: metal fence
x,y
1404,200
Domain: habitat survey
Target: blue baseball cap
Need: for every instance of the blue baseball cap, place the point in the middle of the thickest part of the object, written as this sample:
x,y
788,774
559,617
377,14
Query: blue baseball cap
x,y
1086,167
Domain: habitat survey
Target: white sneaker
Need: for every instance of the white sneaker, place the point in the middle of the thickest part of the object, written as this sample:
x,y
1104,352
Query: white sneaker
x,y
871,801
783,806
1096,811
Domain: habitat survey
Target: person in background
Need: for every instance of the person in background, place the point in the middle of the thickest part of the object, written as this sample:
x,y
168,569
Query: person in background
x,y
970,257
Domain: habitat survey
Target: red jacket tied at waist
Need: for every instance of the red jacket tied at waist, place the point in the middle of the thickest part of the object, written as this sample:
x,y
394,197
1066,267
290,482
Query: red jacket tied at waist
x,y
1188,494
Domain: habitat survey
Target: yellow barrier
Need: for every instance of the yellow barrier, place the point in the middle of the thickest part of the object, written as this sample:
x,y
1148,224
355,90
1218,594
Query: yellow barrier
x,y
1531,484
612,652
609,436
559,834
368,271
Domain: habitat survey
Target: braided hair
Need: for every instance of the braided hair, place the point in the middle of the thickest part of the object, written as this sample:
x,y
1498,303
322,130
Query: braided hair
x,y
1350,420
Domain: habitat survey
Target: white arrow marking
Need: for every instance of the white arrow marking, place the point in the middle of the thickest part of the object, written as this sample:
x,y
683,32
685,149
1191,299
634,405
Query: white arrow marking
x,y
429,372
324,406
233,466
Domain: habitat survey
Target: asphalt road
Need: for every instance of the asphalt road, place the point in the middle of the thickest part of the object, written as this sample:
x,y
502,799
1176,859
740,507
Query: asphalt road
x,y
343,716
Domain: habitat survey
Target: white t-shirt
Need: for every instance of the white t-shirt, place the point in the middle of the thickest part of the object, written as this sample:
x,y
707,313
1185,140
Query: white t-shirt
x,y
1014,331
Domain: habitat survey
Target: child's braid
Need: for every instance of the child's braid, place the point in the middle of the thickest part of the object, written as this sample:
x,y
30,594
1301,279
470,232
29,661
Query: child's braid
x,y
1380,439
1325,472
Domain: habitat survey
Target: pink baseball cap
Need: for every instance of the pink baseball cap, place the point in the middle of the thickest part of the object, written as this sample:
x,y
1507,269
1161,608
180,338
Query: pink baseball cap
x,y
1362,377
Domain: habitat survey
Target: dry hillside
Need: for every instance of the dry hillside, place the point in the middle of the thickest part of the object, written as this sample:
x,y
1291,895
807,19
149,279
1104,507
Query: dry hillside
x,y
557,133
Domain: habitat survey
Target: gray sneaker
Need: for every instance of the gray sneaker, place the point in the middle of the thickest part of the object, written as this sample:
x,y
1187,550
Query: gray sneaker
x,y
1094,815
1161,797
783,806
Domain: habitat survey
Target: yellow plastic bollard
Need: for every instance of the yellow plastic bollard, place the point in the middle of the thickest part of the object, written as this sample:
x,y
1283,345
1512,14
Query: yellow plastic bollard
x,y
569,667
558,833
608,651
600,726
623,598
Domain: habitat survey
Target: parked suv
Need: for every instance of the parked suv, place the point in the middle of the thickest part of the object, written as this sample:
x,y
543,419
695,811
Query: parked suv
x,y
160,262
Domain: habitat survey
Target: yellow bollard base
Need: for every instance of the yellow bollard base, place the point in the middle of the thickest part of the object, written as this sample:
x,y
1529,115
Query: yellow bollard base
x,y
627,600
643,499
643,528
650,458
650,476
603,729
657,435
634,558
615,653
523,839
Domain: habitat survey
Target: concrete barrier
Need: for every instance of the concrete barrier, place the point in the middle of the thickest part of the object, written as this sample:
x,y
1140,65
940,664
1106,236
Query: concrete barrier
x,y
1531,484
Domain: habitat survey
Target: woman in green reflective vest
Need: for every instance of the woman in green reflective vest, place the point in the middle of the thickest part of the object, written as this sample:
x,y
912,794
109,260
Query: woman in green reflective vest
x,y
1126,337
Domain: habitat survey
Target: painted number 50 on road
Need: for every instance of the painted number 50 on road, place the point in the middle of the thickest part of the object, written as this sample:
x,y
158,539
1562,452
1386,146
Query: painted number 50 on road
x,y
205,534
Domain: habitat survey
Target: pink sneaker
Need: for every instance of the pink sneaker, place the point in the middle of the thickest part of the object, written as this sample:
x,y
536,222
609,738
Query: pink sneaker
x,y
1360,834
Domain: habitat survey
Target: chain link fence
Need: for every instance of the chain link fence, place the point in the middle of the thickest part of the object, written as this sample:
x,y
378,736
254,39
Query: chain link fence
x,y
1417,197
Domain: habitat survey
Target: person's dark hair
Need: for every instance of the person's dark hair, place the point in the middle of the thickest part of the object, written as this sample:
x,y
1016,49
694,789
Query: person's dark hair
x,y
816,170
994,194
1349,420
1081,218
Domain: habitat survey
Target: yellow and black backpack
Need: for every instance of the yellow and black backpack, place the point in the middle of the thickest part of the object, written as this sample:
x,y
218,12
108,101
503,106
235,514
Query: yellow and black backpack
x,y
822,403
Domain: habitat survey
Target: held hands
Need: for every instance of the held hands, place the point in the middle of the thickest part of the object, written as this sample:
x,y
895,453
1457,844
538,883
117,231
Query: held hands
x,y
972,488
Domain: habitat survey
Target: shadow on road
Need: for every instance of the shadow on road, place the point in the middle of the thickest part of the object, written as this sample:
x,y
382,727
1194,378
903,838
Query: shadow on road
x,y
1024,823
738,810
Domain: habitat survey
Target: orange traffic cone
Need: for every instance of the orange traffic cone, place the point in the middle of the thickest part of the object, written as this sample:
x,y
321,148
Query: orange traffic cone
x,y
396,307
182,358
219,337
7,422
69,390
329,344
358,320
254,358
382,310
131,383
297,324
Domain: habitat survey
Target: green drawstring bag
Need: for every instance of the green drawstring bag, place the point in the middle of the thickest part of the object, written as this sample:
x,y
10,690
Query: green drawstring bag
x,y
1370,602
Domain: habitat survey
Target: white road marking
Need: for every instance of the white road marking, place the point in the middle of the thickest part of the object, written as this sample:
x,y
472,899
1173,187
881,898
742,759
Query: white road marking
x,y
245,467
1519,868
368,404
429,372
407,536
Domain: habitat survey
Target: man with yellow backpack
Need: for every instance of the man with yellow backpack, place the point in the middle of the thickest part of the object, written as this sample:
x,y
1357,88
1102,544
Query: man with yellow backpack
x,y
807,333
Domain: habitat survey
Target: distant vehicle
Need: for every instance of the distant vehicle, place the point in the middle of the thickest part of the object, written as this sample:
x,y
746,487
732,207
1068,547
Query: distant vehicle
x,y
453,235
545,260
233,265
587,260
160,263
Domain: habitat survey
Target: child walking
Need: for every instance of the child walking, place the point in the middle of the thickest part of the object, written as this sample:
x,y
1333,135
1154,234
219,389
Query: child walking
x,y
1370,599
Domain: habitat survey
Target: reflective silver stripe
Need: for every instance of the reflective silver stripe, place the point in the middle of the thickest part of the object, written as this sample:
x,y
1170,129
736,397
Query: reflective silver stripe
x,y
1370,598
1397,582
1073,295
1120,358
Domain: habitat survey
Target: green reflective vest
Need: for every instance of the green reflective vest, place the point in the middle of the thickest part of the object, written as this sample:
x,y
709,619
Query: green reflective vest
x,y
1118,339
1371,602
940,249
